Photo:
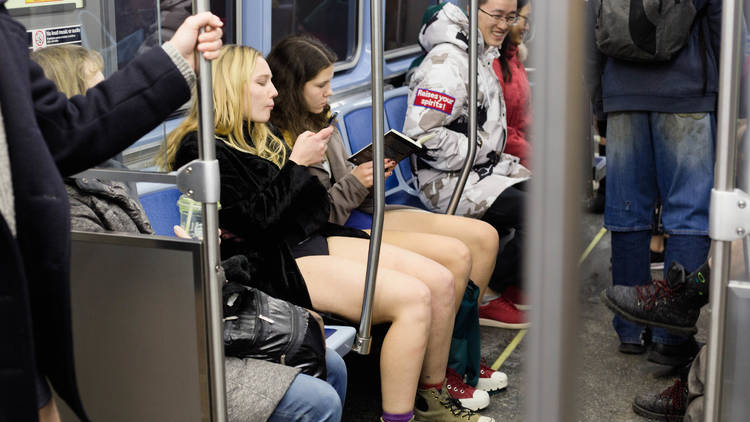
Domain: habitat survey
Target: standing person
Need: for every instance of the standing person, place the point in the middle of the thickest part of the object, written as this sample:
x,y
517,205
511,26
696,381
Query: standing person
x,y
303,69
276,213
438,103
660,146
514,82
43,137
105,206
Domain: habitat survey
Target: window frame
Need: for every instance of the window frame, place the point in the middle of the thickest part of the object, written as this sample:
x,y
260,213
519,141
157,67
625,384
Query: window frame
x,y
351,63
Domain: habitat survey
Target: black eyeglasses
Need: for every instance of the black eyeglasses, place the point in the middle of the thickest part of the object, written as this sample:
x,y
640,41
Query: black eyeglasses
x,y
510,19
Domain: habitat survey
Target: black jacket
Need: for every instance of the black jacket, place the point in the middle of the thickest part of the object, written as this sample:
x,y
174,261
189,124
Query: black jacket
x,y
50,137
264,210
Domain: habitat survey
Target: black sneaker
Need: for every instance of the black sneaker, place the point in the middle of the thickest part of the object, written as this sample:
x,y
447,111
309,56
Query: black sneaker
x,y
669,405
674,354
673,304
632,348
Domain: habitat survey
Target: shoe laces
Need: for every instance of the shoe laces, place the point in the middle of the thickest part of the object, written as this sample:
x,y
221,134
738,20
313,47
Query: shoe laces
x,y
651,294
456,382
504,303
453,405
675,396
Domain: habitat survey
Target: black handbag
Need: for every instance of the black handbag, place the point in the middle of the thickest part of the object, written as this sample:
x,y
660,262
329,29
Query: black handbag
x,y
260,326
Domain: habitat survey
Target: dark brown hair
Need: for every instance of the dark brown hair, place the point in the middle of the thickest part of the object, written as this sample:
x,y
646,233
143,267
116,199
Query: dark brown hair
x,y
504,65
294,61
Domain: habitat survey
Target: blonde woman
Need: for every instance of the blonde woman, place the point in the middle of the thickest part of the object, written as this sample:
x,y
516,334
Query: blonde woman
x,y
274,210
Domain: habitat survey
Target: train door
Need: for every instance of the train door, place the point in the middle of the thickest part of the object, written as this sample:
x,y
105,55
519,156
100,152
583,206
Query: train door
x,y
726,363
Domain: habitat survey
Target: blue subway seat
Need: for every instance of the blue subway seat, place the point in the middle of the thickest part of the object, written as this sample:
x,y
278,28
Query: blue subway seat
x,y
161,208
356,130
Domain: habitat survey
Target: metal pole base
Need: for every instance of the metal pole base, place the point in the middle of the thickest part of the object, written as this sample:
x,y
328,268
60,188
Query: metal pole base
x,y
362,345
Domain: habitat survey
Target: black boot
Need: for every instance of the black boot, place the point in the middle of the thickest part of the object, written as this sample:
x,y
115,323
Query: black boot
x,y
669,405
677,355
673,304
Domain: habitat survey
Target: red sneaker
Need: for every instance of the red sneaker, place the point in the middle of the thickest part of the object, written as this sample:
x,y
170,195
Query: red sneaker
x,y
490,380
516,295
502,313
469,397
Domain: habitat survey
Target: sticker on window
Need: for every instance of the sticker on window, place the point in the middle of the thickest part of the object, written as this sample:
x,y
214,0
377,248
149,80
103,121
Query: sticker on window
x,y
434,100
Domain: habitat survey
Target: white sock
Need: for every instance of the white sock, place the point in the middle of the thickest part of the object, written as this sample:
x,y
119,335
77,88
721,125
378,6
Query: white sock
x,y
489,296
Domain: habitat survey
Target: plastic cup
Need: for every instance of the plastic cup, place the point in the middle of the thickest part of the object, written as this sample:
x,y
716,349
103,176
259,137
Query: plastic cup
x,y
191,216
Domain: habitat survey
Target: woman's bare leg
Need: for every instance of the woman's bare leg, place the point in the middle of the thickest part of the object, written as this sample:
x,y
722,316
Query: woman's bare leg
x,y
450,252
49,413
336,285
481,238
437,278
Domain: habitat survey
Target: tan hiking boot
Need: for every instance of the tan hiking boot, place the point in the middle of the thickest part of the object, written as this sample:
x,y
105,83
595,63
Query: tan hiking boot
x,y
434,406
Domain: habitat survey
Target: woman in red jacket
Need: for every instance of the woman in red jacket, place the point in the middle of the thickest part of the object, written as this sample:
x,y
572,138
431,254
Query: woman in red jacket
x,y
515,84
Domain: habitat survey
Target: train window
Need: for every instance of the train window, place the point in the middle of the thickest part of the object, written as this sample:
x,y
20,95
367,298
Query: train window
x,y
403,18
335,22
119,29
142,24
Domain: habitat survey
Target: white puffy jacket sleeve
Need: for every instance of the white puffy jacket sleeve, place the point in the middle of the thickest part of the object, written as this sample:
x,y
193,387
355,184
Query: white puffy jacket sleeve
x,y
438,97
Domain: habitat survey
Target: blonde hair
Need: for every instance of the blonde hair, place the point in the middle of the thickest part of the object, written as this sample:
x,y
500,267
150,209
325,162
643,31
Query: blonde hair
x,y
230,74
69,66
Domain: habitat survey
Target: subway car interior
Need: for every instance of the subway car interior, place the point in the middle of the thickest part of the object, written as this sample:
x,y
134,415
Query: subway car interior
x,y
149,335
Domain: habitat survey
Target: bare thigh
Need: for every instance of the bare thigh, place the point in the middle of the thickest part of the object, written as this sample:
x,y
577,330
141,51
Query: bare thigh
x,y
469,230
391,257
336,285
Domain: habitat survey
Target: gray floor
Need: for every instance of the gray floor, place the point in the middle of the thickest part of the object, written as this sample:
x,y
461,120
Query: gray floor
x,y
607,380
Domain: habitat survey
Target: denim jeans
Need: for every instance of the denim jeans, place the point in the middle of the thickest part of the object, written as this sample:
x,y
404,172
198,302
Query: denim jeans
x,y
311,399
652,156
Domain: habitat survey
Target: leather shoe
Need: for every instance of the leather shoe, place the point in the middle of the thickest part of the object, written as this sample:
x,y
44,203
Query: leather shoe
x,y
632,348
674,354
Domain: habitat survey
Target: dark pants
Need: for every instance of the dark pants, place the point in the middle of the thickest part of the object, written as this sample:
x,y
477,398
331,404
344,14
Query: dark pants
x,y
508,212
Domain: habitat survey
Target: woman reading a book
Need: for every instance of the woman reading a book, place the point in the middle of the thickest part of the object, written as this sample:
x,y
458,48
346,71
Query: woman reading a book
x,y
274,210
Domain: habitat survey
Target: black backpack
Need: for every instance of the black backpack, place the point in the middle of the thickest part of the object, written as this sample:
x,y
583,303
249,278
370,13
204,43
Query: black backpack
x,y
643,30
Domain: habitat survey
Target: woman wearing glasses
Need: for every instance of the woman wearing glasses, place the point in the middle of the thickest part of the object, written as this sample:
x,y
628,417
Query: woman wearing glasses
x,y
515,85
438,103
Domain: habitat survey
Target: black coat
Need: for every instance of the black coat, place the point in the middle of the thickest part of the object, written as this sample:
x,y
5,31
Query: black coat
x,y
264,210
50,137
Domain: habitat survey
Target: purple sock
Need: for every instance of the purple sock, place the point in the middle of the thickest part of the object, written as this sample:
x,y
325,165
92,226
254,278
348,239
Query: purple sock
x,y
404,417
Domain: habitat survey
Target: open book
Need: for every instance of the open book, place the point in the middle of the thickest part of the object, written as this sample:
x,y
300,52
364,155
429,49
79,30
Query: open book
x,y
397,146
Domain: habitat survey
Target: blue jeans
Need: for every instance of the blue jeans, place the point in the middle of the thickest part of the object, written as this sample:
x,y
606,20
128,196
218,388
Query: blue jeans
x,y
311,399
653,156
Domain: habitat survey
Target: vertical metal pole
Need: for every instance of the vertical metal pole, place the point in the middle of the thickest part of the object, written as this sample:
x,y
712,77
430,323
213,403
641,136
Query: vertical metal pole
x,y
158,24
726,118
363,340
472,135
212,292
551,268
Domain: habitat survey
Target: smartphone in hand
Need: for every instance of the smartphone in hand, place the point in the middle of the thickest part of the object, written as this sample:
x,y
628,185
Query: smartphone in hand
x,y
332,118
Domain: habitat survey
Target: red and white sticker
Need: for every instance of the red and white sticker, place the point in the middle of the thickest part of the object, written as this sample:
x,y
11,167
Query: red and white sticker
x,y
434,100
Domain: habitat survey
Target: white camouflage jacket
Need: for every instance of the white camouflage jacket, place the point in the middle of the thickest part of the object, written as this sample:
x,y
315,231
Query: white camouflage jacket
x,y
438,102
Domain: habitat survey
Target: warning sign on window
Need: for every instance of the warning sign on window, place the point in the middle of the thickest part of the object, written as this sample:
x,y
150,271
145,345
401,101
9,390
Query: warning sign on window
x,y
40,38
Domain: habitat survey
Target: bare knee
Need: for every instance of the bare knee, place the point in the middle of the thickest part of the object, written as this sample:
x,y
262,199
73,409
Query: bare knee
x,y
417,306
487,237
442,285
462,256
